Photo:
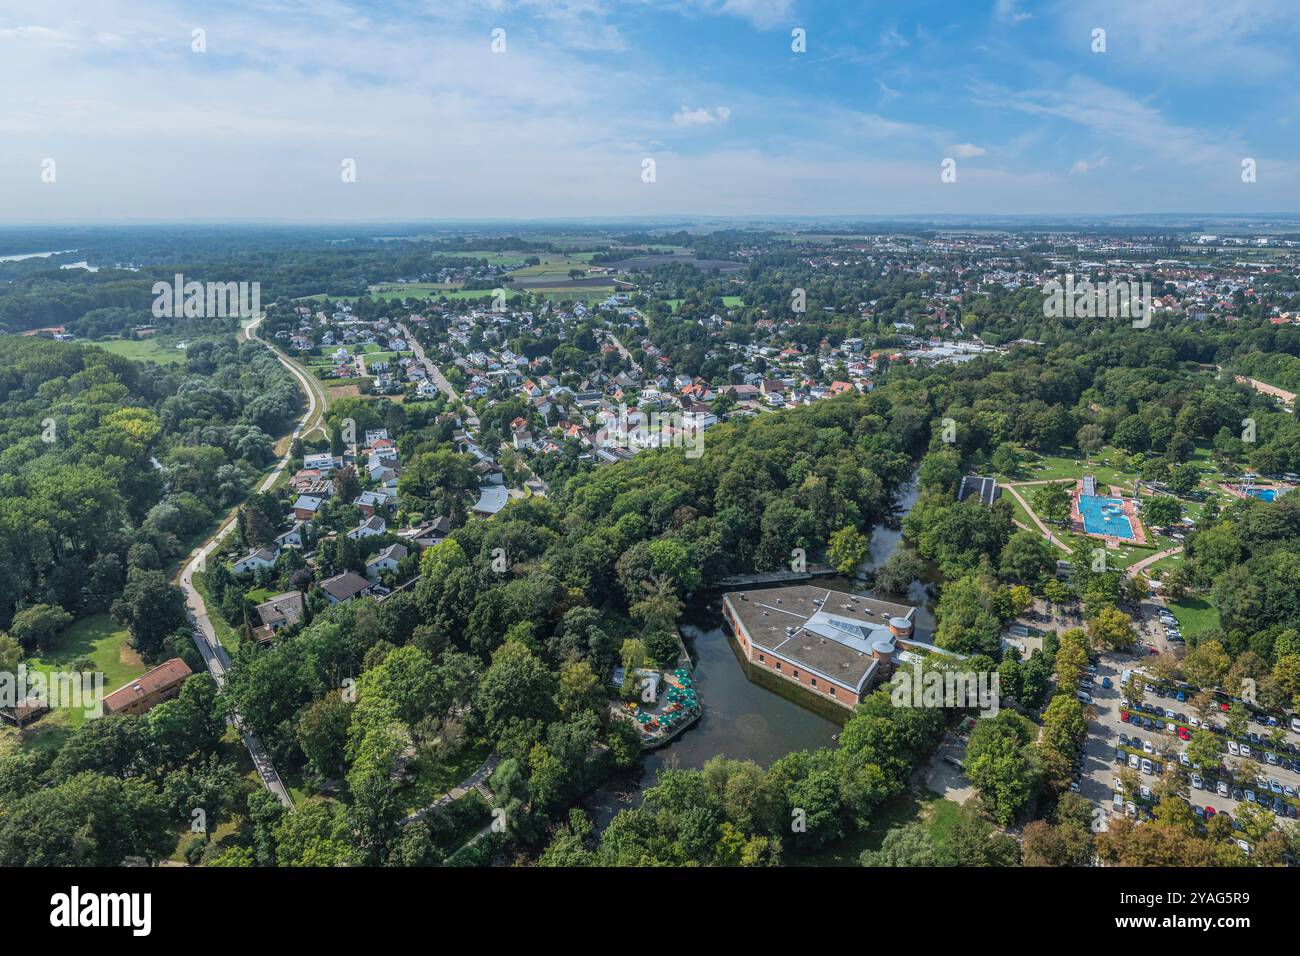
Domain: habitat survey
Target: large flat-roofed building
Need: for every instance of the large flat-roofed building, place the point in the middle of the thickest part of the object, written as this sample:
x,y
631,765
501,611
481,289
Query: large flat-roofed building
x,y
836,645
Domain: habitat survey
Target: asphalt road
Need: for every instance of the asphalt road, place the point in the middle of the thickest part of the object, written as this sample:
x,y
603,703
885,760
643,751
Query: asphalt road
x,y
435,373
205,636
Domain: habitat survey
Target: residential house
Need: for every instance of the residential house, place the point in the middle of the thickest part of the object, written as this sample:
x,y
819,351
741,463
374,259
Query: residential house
x,y
344,587
305,508
374,525
277,612
294,537
149,689
386,560
256,560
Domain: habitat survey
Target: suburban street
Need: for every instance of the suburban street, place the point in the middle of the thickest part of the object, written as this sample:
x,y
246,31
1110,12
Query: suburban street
x,y
627,356
440,380
205,636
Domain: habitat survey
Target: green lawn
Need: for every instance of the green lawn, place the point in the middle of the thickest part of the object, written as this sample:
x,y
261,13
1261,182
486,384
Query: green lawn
x,y
160,349
1195,615
391,291
226,634
729,301
101,640
431,780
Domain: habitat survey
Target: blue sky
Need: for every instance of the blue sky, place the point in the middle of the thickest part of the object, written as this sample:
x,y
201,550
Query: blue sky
x,y
140,126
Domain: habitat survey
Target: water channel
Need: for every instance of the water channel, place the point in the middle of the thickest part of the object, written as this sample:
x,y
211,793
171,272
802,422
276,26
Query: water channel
x,y
743,719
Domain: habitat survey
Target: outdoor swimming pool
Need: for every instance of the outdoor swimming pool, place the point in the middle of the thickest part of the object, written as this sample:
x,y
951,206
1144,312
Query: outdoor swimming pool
x,y
1263,494
1104,516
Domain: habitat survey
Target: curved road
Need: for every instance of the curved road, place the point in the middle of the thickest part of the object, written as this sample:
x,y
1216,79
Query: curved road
x,y
205,636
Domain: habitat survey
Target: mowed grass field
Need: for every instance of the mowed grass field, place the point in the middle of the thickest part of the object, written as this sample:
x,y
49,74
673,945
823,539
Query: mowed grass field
x,y
160,349
728,301
99,639
396,291
1195,615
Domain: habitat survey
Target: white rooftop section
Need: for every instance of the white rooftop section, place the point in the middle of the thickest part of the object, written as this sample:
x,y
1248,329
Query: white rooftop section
x,y
859,635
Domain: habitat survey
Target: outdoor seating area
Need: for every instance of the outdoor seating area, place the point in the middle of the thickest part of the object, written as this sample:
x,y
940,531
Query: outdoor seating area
x,y
677,708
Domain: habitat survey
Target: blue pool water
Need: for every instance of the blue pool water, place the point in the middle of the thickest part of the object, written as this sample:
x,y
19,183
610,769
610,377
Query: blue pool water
x,y
1103,516
1263,494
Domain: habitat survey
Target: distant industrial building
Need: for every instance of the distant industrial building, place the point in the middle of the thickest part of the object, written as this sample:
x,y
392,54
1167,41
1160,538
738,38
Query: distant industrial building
x,y
836,645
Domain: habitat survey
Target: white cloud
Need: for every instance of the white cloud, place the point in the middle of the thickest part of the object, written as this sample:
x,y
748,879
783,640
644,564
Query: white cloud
x,y
966,150
1083,167
701,116
1005,11
761,14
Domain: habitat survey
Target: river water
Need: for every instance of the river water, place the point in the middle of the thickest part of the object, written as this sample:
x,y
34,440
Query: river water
x,y
743,719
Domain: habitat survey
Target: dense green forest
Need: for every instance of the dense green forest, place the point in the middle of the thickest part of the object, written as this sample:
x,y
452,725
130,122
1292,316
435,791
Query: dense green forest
x,y
109,468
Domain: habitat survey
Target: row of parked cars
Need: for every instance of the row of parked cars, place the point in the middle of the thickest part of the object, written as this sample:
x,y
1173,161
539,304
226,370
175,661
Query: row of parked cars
x,y
1256,716
1169,624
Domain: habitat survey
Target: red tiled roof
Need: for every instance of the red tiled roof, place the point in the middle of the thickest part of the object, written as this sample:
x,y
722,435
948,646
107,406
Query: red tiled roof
x,y
165,675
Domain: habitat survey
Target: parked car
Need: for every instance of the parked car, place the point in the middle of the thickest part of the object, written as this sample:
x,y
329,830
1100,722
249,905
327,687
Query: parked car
x,y
1105,682
1148,747
1221,788
1233,748
1197,782
1271,758
1147,766
1133,761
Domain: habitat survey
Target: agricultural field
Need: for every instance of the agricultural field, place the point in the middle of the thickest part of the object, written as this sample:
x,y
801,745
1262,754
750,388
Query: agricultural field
x,y
554,266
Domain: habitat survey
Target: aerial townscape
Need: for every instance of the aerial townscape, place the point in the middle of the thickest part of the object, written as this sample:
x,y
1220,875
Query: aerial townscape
x,y
909,527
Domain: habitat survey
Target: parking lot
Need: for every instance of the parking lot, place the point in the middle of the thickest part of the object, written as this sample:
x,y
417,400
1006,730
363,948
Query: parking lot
x,y
1276,775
